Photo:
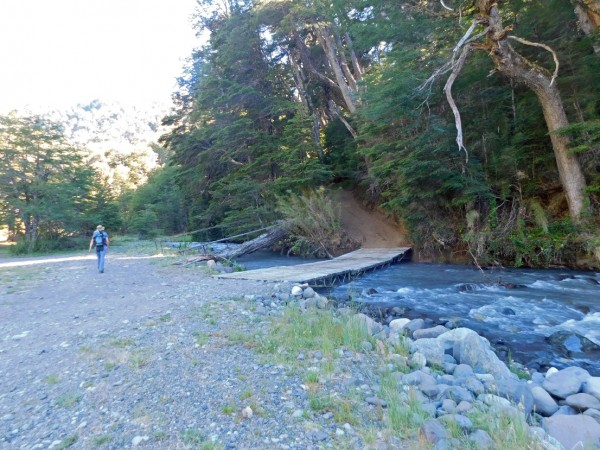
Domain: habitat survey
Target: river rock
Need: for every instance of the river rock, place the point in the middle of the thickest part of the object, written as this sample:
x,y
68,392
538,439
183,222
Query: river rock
x,y
433,431
517,391
463,422
473,385
462,370
493,400
476,351
481,440
592,386
582,401
429,332
457,393
543,402
297,291
566,382
432,349
572,342
416,378
593,413
371,325
414,325
579,431
397,325
308,292
448,406
566,410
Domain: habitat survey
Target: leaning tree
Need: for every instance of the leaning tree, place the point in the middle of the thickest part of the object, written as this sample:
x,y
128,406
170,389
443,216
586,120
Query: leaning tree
x,y
495,39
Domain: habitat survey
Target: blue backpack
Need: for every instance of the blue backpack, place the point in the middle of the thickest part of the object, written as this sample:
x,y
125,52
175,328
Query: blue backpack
x,y
100,240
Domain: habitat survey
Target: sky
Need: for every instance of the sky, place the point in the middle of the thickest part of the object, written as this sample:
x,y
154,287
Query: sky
x,y
57,53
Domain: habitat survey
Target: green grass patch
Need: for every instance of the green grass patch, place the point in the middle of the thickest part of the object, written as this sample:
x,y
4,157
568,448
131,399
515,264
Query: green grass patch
x,y
67,442
298,331
228,409
99,441
67,400
201,338
122,342
52,379
404,417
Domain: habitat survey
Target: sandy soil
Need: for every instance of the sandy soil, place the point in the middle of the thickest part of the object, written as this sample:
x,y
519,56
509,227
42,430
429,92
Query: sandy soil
x,y
369,227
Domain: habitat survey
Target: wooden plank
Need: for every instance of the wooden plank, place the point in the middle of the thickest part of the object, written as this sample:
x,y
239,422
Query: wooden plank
x,y
327,272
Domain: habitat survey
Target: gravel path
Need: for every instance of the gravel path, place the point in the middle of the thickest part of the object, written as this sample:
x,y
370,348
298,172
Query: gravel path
x,y
146,356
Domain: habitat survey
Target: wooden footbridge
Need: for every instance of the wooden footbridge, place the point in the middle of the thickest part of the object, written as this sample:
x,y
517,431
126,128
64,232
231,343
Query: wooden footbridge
x,y
328,272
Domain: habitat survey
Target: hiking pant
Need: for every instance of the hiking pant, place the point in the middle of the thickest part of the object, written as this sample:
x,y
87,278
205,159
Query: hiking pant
x,y
101,254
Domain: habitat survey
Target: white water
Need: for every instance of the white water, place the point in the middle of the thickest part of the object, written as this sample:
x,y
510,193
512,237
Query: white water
x,y
516,307
520,317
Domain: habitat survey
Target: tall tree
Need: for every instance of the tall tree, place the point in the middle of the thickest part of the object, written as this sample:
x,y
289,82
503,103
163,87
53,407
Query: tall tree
x,y
515,66
44,182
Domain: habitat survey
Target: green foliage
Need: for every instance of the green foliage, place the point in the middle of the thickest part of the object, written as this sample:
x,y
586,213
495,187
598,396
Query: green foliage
x,y
260,114
46,187
157,207
313,223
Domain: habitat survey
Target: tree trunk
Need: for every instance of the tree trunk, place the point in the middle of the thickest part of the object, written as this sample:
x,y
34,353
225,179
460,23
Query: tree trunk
x,y
357,69
512,64
588,16
329,48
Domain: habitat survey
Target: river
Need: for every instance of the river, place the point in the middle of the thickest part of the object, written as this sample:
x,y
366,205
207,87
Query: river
x,y
518,310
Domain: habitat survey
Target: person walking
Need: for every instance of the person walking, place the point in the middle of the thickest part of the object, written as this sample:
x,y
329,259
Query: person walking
x,y
101,242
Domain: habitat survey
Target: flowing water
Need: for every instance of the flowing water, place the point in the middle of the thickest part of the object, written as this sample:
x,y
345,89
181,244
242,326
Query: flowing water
x,y
518,310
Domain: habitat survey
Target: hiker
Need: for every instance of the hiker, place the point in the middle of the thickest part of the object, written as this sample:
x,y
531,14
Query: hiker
x,y
101,242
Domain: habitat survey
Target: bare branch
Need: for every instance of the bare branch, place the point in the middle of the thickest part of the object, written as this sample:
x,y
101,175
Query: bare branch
x,y
448,90
466,36
444,5
451,64
545,47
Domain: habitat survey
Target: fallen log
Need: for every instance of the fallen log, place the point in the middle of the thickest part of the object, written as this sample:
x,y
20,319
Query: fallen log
x,y
265,240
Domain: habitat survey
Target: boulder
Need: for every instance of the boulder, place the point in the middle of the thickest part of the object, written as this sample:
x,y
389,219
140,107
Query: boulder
x,y
481,440
369,324
417,377
458,394
433,431
472,384
397,325
579,431
432,349
566,410
593,413
543,402
458,420
517,391
570,342
429,332
566,382
297,291
582,401
592,386
477,352
462,370
413,325
308,292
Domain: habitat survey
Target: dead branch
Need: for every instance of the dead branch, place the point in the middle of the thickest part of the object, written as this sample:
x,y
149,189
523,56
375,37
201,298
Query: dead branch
x,y
444,5
449,66
448,90
545,47
466,36
335,111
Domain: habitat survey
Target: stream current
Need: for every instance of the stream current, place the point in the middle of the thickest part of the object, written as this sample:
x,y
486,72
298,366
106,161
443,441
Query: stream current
x,y
539,318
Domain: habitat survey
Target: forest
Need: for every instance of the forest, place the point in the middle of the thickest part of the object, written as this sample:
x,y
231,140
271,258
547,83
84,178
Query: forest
x,y
475,124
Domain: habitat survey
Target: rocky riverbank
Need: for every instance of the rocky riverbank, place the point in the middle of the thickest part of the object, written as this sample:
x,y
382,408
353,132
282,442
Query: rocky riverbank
x,y
153,356
455,373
